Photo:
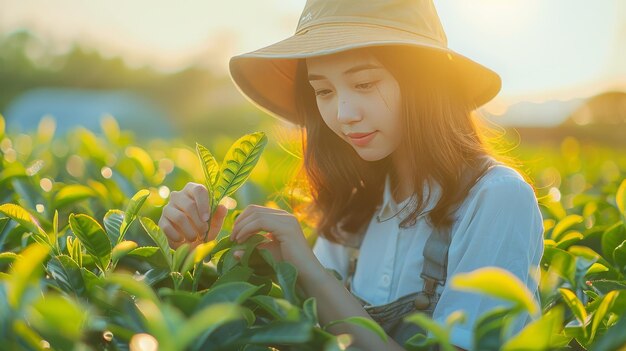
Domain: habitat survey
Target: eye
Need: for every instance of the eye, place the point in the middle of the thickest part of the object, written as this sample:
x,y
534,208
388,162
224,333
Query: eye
x,y
366,85
322,92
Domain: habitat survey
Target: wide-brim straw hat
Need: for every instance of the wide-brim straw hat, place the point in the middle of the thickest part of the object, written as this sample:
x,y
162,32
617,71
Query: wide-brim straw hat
x,y
266,76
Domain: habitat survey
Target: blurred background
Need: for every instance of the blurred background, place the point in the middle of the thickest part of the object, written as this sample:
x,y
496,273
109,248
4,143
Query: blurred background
x,y
563,63
160,68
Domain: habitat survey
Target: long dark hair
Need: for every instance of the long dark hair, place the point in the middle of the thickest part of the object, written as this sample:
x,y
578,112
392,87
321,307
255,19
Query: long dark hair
x,y
441,137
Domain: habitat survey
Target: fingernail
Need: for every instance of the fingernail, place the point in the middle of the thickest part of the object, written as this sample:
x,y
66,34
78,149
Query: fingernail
x,y
206,217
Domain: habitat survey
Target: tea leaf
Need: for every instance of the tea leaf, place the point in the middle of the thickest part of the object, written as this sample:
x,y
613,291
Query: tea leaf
x,y
70,194
2,127
620,198
159,238
207,320
286,274
601,312
310,309
362,322
619,256
59,319
612,238
24,218
151,255
26,269
203,250
93,237
237,274
235,292
122,249
280,332
113,220
6,258
211,168
134,205
277,307
134,287
74,249
497,282
238,163
542,334
488,330
198,254
565,224
179,257
110,128
67,274
574,304
142,159
185,301
568,239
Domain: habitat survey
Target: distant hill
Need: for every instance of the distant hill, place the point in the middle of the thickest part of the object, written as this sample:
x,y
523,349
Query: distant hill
x,y
538,114
604,109
600,119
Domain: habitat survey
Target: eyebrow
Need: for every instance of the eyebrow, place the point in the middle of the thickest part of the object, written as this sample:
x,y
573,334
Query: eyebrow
x,y
349,71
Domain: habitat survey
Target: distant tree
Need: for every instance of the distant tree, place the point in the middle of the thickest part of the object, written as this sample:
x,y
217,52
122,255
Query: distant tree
x,y
608,109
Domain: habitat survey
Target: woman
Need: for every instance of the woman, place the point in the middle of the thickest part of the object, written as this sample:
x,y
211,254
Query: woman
x,y
396,166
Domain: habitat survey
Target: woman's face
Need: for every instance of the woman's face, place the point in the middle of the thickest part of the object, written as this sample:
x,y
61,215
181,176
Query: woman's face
x,y
356,94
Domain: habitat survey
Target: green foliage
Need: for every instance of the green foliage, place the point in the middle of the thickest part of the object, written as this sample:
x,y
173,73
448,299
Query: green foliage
x,y
225,179
83,264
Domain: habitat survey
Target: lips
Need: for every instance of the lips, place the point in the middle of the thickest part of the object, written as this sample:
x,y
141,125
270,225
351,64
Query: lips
x,y
361,139
358,135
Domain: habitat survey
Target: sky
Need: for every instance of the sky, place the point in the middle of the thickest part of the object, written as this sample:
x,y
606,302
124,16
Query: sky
x,y
559,49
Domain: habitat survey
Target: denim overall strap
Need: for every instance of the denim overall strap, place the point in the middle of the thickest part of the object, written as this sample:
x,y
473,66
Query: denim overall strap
x,y
390,316
434,272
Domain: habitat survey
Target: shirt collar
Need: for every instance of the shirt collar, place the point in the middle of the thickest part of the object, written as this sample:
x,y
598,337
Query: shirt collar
x,y
389,208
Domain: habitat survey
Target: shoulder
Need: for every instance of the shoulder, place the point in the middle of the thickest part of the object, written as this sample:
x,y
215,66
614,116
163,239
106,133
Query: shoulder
x,y
502,183
500,205
502,196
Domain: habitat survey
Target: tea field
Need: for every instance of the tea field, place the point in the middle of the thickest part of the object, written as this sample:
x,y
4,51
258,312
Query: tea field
x,y
84,266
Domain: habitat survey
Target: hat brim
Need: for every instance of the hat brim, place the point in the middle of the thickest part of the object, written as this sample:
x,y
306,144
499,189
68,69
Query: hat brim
x,y
266,76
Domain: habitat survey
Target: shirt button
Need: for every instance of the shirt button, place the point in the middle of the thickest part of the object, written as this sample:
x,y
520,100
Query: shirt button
x,y
385,279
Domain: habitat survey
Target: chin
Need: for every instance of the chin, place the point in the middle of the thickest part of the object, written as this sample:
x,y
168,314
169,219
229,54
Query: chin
x,y
371,155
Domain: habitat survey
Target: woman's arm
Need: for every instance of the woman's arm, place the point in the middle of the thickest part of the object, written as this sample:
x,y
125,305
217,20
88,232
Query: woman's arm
x,y
287,243
335,302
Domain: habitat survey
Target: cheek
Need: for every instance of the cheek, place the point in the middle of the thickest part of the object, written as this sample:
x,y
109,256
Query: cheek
x,y
394,104
329,119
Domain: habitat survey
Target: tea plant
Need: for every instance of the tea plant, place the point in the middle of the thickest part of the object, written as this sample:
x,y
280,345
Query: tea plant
x,y
84,266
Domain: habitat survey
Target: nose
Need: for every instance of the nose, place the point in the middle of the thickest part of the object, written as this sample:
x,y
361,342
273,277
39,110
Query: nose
x,y
347,111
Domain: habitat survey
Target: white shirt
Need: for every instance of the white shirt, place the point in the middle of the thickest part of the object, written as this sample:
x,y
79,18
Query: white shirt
x,y
499,224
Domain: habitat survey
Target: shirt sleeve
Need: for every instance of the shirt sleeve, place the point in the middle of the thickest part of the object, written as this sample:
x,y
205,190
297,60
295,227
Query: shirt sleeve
x,y
501,226
332,256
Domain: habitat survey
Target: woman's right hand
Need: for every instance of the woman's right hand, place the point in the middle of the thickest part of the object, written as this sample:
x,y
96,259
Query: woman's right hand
x,y
185,217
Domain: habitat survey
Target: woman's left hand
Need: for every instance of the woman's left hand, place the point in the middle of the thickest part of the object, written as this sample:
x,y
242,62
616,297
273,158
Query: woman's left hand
x,y
287,243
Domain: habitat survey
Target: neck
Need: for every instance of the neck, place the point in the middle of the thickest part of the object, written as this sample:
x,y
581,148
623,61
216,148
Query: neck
x,y
401,183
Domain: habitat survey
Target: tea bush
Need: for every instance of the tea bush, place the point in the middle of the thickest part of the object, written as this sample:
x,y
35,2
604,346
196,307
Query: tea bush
x,y
83,266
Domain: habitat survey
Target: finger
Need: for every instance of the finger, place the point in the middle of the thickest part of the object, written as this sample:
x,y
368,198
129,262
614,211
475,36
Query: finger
x,y
251,209
239,225
195,243
170,231
264,222
200,195
238,254
181,222
174,244
188,209
217,221
254,226
187,205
